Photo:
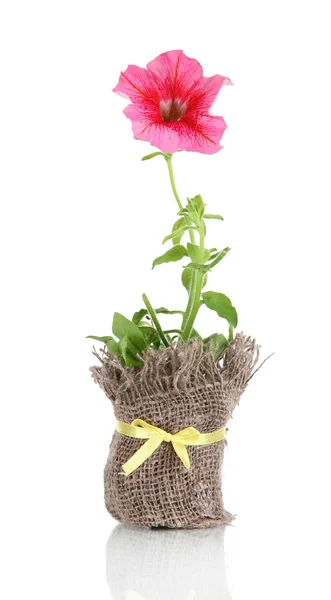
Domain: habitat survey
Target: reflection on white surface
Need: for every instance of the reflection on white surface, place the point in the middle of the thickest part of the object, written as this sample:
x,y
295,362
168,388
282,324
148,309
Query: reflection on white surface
x,y
149,564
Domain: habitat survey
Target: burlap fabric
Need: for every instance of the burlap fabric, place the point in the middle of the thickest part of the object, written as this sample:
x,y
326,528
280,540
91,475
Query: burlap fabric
x,y
176,388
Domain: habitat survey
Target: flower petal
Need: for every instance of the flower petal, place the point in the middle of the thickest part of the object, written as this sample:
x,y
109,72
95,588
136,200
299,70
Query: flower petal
x,y
165,137
149,127
204,135
203,98
176,74
138,85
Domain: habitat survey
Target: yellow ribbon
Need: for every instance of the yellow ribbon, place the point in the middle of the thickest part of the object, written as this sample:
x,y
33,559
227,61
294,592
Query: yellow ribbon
x,y
141,430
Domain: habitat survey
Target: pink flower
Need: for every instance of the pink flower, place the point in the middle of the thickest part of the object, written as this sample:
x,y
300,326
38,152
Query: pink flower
x,y
170,104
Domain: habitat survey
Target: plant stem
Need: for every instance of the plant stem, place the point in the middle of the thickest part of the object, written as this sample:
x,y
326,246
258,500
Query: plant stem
x,y
168,159
191,295
155,320
195,291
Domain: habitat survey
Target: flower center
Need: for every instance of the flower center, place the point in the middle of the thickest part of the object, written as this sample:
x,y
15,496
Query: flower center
x,y
172,109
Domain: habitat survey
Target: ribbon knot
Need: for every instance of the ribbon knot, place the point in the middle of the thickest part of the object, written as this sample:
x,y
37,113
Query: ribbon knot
x,y
189,436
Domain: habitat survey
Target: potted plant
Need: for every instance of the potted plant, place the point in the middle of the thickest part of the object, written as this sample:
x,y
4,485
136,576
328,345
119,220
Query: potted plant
x,y
173,390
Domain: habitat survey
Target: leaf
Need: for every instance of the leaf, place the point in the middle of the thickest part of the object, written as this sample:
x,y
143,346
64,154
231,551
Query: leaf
x,y
140,314
149,156
197,204
128,353
124,327
146,330
156,342
194,333
150,334
166,311
220,343
194,266
208,216
195,209
177,226
194,253
111,344
155,319
104,338
218,257
112,347
222,305
173,255
178,234
187,275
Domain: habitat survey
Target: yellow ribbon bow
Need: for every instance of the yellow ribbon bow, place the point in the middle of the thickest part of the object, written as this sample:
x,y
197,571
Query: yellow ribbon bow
x,y
141,430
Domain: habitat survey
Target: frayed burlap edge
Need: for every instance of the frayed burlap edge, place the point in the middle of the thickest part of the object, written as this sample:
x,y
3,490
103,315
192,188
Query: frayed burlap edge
x,y
178,369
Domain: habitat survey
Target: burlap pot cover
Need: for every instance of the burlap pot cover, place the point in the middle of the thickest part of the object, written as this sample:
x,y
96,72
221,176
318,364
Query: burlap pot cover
x,y
176,388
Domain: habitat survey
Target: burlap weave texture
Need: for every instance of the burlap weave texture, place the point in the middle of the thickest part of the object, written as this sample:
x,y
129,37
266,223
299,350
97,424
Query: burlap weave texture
x,y
176,388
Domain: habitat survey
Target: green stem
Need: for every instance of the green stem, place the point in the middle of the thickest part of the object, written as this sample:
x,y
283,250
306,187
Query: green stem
x,y
195,292
168,159
155,320
191,295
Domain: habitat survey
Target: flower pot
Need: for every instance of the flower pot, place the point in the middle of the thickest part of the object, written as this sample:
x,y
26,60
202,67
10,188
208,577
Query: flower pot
x,y
176,388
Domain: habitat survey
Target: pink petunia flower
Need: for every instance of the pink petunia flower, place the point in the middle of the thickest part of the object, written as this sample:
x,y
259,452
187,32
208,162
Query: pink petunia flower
x,y
171,100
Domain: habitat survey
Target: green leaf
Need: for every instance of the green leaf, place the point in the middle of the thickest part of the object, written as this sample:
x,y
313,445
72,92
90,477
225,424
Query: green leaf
x,y
195,208
124,327
187,275
166,311
197,204
177,226
104,338
173,255
222,305
178,234
112,347
194,266
111,344
213,217
195,254
140,314
150,334
155,319
183,211
149,156
218,257
128,352
210,337
220,343
194,333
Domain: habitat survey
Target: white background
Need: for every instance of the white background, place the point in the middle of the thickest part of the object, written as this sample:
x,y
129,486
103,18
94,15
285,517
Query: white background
x,y
81,220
